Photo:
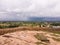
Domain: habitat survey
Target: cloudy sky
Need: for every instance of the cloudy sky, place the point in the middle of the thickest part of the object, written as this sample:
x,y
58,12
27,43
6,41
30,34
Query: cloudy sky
x,y
23,9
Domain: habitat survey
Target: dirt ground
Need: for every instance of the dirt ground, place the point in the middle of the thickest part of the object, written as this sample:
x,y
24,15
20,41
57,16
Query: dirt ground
x,y
27,38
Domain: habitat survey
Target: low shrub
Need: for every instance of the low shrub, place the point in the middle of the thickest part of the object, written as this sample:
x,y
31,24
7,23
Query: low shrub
x,y
41,37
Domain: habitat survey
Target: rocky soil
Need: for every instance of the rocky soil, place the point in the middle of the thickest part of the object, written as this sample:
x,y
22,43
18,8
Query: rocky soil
x,y
27,38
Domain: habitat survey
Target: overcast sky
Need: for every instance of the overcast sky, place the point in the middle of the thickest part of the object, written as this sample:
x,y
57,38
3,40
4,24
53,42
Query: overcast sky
x,y
29,8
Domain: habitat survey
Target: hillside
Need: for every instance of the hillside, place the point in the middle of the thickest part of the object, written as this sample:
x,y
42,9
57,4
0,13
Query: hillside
x,y
29,38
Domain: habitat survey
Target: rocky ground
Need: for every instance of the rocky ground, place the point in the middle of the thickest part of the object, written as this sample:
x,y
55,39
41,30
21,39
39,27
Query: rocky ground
x,y
28,38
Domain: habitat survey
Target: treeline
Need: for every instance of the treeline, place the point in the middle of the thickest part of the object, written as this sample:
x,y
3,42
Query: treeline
x,y
55,24
32,24
17,24
8,24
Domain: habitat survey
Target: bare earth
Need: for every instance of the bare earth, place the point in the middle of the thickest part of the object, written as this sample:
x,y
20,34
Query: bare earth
x,y
27,38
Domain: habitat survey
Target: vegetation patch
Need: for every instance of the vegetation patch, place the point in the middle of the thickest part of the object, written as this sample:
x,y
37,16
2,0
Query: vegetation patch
x,y
41,37
56,39
55,35
40,43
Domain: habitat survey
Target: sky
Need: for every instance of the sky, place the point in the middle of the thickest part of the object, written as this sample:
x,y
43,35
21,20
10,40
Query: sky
x,y
23,9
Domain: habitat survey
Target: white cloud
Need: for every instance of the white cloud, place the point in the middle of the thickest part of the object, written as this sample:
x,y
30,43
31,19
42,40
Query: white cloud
x,y
31,7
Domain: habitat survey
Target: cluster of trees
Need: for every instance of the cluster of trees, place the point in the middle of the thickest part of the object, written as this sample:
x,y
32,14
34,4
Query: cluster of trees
x,y
17,24
8,24
55,24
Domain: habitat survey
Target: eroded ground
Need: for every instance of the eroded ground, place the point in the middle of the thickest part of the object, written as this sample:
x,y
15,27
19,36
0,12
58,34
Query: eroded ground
x,y
28,38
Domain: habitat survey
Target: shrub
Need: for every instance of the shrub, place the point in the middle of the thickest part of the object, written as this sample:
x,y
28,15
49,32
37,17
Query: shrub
x,y
41,37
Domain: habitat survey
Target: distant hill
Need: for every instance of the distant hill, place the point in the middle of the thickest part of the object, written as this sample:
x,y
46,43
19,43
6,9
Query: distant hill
x,y
32,19
44,19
